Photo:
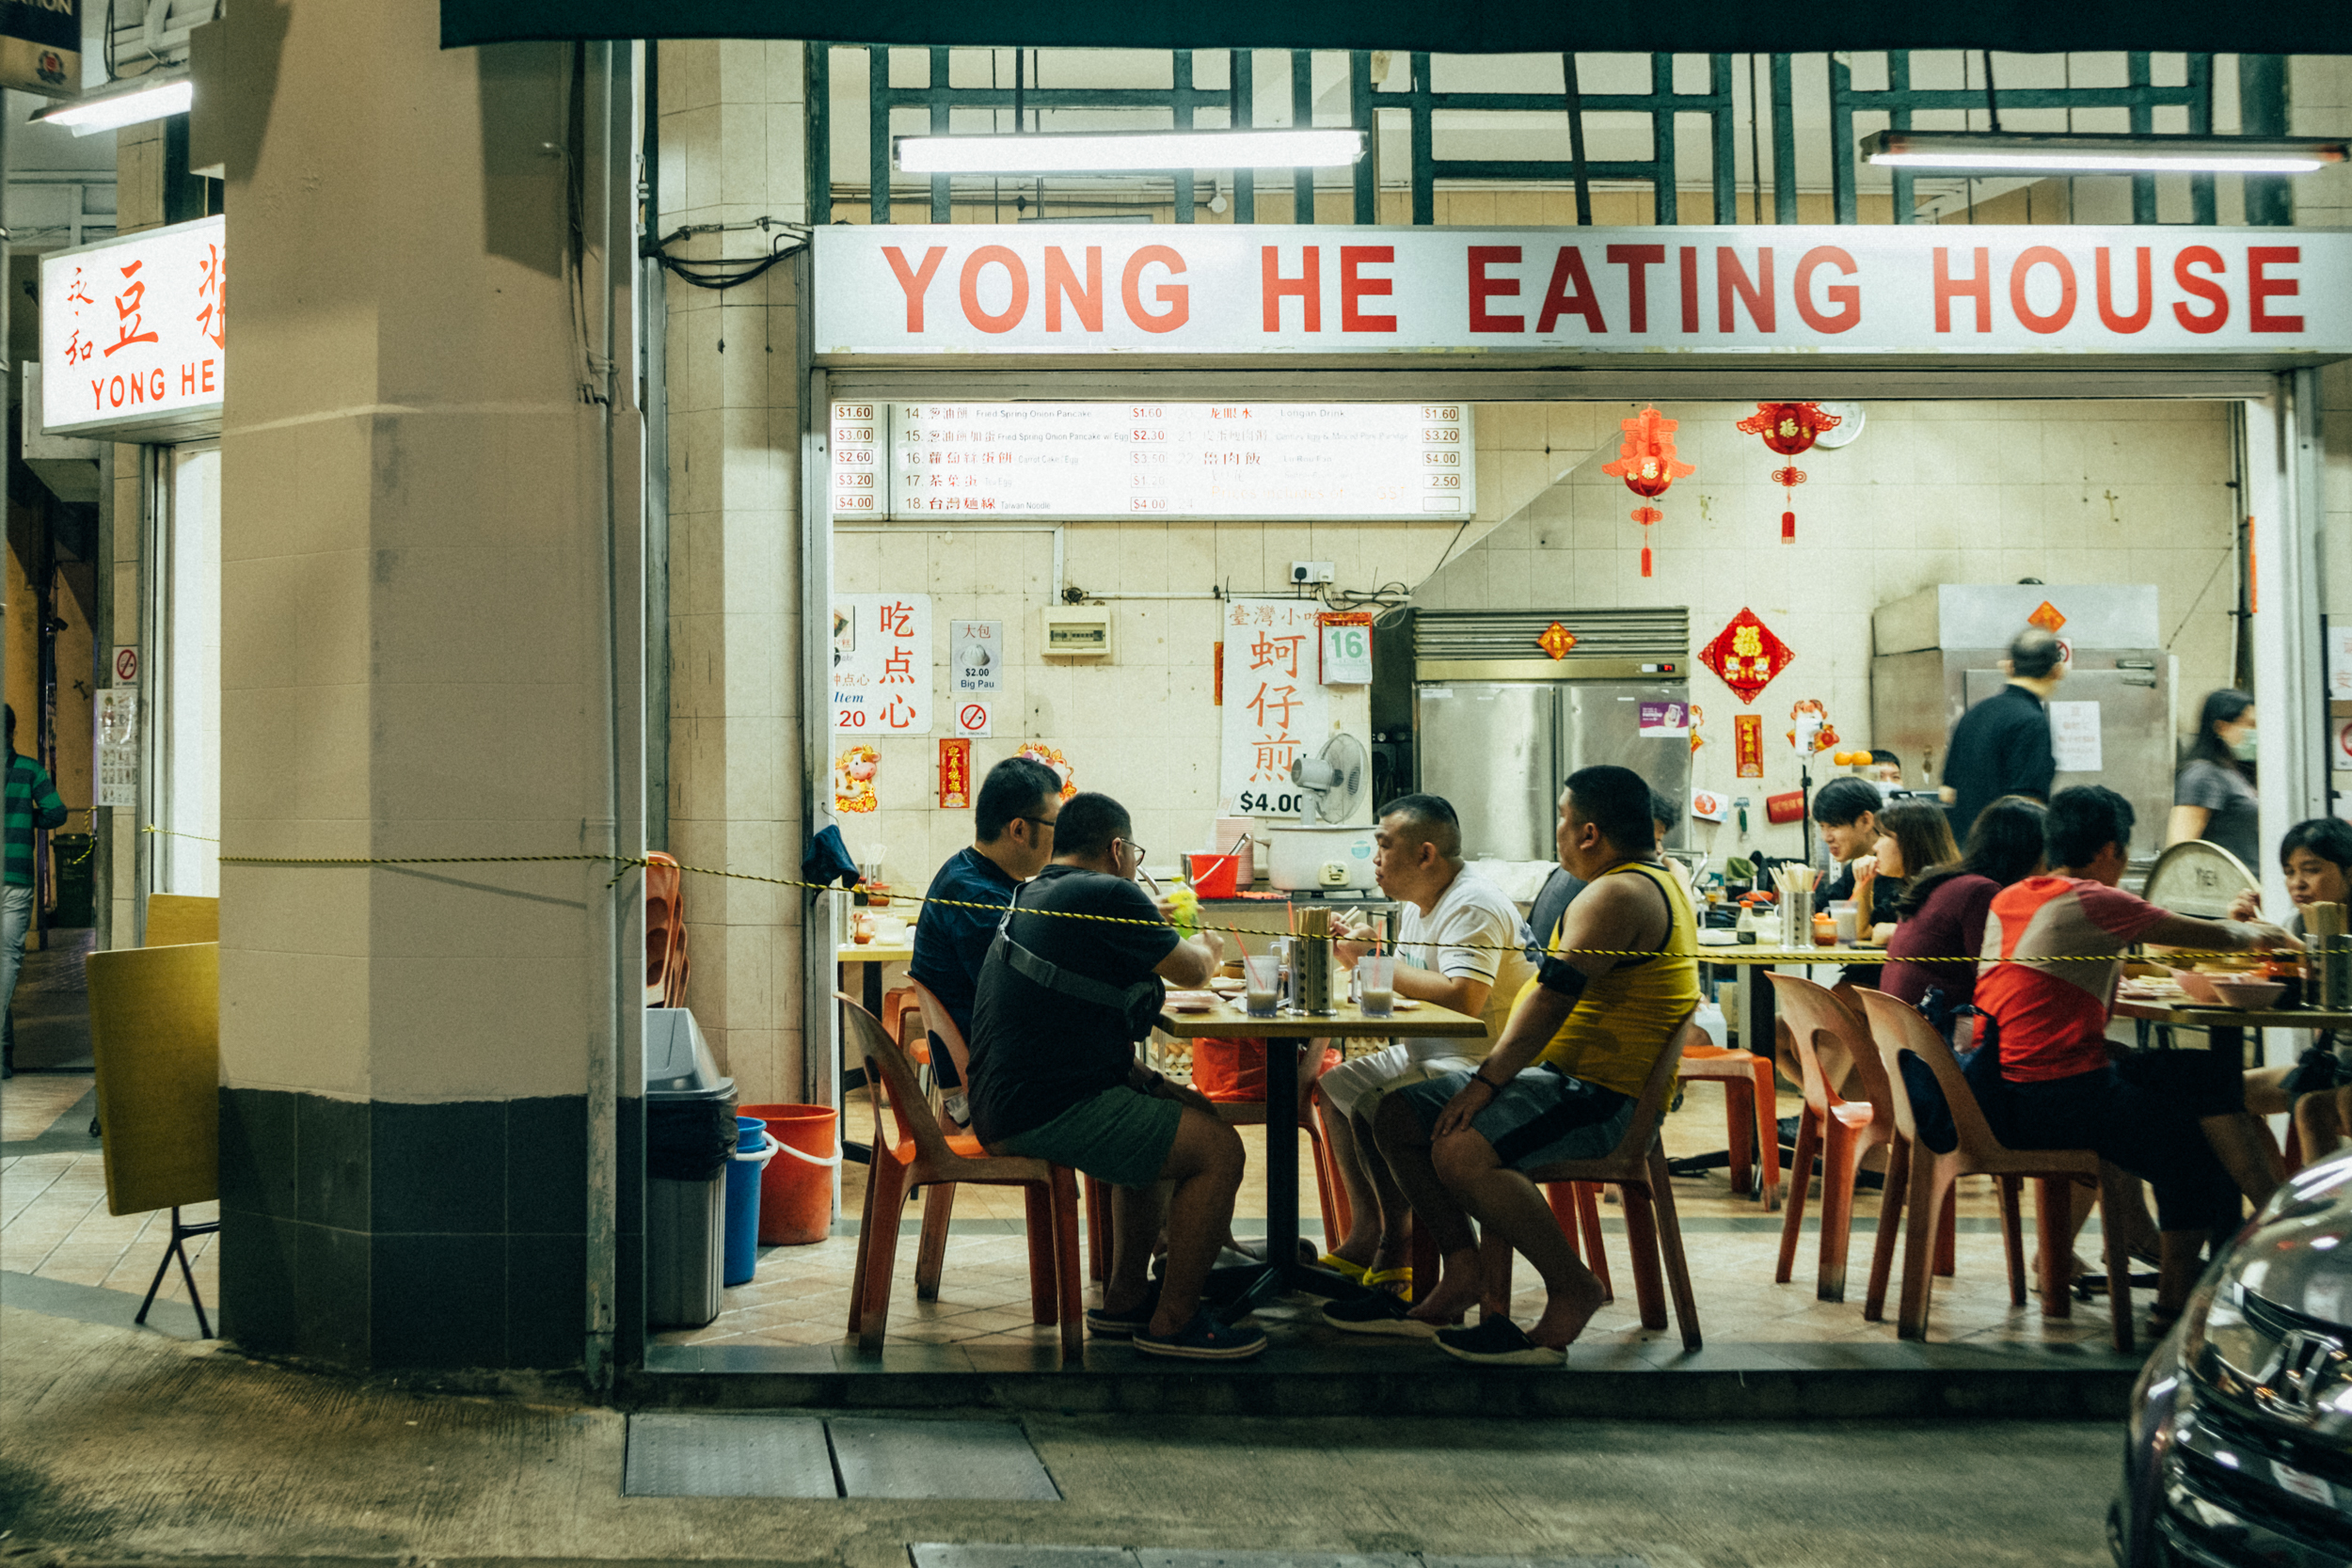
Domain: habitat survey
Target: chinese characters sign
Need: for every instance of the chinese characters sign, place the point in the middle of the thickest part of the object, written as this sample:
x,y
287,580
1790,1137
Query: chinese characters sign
x,y
881,664
955,775
917,460
1275,710
1746,655
133,332
976,654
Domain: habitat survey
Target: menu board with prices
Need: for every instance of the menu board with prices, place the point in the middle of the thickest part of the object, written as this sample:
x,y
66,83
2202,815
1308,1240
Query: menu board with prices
x,y
1345,462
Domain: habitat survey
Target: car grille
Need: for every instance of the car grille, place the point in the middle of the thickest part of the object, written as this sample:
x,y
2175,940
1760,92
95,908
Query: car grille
x,y
2249,1488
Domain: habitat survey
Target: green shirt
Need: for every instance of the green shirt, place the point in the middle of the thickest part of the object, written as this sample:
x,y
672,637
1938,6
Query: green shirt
x,y
32,803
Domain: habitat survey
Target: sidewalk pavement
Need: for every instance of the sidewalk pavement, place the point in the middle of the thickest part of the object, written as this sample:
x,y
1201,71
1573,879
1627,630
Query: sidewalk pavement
x,y
122,1445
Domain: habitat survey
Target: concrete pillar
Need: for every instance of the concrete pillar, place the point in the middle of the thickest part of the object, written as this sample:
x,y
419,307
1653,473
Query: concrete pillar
x,y
734,139
413,664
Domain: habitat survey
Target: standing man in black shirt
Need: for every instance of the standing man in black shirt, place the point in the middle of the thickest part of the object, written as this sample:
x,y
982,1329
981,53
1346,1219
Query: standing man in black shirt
x,y
1062,1002
2002,745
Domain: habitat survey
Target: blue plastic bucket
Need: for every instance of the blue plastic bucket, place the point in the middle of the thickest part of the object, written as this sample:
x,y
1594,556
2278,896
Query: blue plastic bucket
x,y
754,1148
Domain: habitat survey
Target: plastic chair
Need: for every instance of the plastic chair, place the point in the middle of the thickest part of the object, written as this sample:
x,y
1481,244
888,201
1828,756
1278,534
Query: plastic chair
x,y
1637,1169
1925,1182
665,932
912,1150
1842,1132
1751,1110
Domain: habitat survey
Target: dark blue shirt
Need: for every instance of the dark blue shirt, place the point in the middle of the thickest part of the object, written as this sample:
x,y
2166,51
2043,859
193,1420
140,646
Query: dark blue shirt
x,y
951,943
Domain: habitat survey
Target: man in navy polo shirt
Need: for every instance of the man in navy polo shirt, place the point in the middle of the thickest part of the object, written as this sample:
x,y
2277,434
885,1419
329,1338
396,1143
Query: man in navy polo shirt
x,y
1014,821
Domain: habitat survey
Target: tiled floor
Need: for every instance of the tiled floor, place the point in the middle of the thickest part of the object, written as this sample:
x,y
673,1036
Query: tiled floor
x,y
799,1296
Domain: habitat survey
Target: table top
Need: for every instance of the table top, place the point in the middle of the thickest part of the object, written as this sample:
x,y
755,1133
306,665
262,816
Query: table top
x,y
875,953
1230,1020
1759,954
2189,1015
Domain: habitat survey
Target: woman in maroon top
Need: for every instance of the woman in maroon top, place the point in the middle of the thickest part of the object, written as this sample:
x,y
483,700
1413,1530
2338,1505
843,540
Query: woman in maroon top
x,y
1943,910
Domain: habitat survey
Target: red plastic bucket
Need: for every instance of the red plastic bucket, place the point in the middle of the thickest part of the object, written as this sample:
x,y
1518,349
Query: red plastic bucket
x,y
1213,875
796,1188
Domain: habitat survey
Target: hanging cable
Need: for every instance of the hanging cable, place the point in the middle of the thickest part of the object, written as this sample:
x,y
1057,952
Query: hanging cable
x,y
723,274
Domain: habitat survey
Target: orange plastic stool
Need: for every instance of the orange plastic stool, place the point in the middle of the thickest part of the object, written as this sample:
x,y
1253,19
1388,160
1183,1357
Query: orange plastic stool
x,y
1751,1109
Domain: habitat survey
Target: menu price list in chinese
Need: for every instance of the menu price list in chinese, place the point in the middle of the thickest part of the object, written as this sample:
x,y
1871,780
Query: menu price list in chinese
x,y
916,460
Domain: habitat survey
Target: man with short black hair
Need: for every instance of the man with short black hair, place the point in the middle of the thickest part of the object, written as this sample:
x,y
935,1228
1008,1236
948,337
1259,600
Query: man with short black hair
x,y
1846,811
2176,1118
1567,1073
2002,745
1073,981
1013,825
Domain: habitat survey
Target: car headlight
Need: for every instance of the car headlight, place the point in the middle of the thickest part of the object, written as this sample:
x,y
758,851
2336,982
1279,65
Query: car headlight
x,y
2218,1344
2313,1190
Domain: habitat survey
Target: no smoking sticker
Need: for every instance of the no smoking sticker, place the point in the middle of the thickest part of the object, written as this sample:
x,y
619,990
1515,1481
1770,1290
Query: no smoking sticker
x,y
126,667
973,719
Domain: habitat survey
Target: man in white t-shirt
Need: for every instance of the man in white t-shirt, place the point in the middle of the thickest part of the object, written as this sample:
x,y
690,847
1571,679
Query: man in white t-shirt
x,y
1456,947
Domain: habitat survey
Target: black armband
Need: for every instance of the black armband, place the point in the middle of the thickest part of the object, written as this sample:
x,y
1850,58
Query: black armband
x,y
1563,978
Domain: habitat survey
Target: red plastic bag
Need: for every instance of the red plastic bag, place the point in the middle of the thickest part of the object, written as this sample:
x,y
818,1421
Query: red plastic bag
x,y
1234,1071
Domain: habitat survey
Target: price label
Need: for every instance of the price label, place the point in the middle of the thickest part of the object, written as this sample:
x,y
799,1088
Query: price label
x,y
1269,803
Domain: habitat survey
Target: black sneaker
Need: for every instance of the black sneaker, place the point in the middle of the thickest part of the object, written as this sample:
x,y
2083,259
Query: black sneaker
x,y
1497,1342
1204,1339
1376,1312
1104,1324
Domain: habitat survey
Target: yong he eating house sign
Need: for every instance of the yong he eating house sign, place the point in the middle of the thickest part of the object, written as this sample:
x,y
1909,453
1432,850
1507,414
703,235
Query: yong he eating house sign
x,y
2275,295
134,334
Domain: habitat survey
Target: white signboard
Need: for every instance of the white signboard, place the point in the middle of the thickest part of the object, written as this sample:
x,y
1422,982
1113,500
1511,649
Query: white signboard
x,y
2340,663
975,657
2075,736
116,720
133,331
881,664
1276,711
1349,461
1346,654
1910,290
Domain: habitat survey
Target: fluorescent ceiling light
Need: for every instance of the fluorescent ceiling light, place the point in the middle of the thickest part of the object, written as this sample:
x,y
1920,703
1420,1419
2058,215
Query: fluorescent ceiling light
x,y
1121,153
133,102
2014,152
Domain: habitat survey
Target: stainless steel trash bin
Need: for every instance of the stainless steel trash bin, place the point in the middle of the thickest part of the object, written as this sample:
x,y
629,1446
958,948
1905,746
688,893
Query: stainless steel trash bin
x,y
690,1134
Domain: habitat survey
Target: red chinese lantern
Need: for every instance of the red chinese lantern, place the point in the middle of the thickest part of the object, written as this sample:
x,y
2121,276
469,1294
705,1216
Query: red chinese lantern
x,y
1789,429
1646,461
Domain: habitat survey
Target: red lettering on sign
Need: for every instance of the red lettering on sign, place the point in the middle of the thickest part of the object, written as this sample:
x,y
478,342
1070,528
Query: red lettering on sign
x,y
1731,278
913,283
969,289
1637,259
1306,286
1176,296
1690,287
2042,256
2109,317
1061,282
1846,297
1567,273
2260,288
1482,288
1979,287
2203,288
1353,286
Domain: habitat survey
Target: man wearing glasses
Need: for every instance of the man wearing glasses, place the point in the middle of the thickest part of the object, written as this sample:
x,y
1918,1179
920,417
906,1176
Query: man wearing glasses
x,y
1014,821
1071,983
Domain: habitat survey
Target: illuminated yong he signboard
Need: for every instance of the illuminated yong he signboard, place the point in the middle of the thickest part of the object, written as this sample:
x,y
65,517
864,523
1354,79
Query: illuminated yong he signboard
x,y
132,334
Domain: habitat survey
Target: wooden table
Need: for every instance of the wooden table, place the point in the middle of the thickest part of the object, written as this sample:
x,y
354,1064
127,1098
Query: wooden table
x,y
2226,1027
868,963
1230,1020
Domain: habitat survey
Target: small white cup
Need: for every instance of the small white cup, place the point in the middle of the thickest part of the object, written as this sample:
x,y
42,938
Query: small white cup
x,y
1262,972
1375,981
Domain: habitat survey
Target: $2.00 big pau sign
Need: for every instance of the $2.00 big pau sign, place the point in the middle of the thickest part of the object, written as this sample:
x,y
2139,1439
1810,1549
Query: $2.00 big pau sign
x,y
2277,294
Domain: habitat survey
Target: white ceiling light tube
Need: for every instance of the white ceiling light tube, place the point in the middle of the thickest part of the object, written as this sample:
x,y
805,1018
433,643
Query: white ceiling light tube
x,y
1126,152
2034,152
133,102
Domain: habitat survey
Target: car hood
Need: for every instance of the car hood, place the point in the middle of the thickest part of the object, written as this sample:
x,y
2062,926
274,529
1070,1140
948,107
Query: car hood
x,y
2298,1254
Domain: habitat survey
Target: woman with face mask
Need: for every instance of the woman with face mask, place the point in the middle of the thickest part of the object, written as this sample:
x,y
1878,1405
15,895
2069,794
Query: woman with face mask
x,y
2213,795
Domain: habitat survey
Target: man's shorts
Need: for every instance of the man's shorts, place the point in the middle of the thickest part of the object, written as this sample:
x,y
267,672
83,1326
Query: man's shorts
x,y
1121,1136
1540,1117
1354,1087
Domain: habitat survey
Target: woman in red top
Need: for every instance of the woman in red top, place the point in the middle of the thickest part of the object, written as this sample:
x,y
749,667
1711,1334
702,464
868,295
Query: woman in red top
x,y
1943,910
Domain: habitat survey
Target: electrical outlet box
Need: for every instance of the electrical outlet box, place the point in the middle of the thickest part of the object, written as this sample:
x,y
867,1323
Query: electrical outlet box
x,y
1078,631
1313,571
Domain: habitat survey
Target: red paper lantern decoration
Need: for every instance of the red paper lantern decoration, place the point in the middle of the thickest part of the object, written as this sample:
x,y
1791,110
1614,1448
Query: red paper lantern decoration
x,y
1789,429
1646,461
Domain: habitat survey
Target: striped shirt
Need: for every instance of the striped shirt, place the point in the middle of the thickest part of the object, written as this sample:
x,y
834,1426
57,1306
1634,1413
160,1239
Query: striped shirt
x,y
2053,1012
32,803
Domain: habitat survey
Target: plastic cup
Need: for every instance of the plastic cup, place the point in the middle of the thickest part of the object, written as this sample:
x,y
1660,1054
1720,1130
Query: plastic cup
x,y
1376,979
1262,972
1847,917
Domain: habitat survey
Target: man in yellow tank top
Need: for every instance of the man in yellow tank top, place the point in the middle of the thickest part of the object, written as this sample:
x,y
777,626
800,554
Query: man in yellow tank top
x,y
1558,1084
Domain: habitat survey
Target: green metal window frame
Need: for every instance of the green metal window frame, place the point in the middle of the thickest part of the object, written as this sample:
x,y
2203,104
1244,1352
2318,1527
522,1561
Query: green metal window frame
x,y
1900,101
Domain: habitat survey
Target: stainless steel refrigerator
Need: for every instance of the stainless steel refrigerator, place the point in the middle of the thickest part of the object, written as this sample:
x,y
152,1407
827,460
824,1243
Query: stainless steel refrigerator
x,y
1498,723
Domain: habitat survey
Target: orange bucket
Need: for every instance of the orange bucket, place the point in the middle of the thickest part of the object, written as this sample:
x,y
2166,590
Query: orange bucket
x,y
795,1187
1215,875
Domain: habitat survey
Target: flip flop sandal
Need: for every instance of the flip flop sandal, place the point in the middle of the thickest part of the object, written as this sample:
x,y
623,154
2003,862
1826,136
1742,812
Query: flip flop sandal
x,y
1381,1279
1353,1272
1497,1342
1204,1339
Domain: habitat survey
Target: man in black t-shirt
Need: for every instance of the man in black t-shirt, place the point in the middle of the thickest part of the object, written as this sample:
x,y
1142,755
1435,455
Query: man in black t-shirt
x,y
1071,984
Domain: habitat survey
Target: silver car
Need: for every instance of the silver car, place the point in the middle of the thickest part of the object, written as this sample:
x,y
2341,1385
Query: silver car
x,y
2240,1451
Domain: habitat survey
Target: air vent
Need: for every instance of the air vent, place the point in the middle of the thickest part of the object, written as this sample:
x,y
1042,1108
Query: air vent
x,y
1643,635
